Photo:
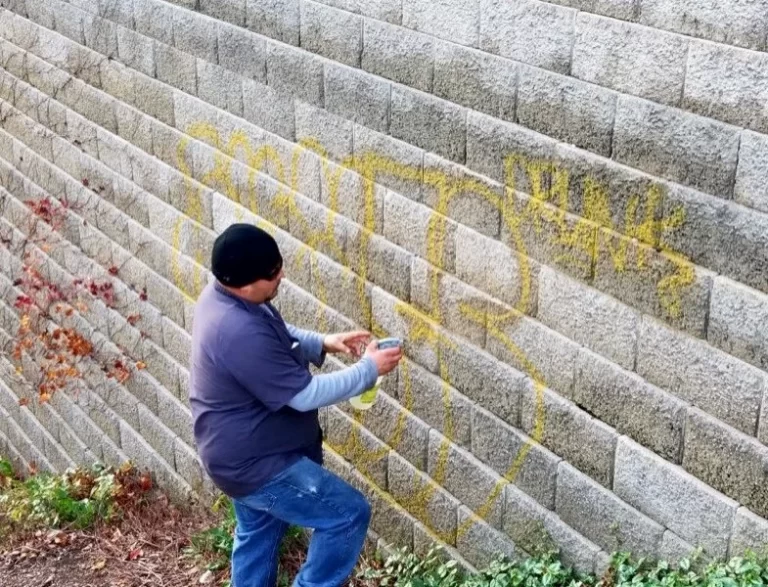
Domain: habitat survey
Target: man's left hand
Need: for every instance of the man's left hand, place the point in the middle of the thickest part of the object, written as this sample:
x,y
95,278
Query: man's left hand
x,y
350,343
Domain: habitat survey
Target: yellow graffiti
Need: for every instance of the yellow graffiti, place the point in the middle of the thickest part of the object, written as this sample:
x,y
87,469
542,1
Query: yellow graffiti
x,y
548,204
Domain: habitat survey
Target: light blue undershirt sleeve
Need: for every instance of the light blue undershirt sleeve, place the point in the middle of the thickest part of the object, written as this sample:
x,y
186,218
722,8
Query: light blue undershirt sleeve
x,y
331,388
311,344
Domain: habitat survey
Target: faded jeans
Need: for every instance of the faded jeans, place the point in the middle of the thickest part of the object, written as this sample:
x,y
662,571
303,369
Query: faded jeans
x,y
306,495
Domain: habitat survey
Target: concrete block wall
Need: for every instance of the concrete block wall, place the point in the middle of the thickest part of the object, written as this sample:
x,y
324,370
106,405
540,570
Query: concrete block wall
x,y
560,206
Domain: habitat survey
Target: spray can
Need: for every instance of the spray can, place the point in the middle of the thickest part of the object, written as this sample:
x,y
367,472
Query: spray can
x,y
365,400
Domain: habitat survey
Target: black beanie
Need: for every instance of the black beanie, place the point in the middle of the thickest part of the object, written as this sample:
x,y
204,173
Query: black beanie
x,y
244,253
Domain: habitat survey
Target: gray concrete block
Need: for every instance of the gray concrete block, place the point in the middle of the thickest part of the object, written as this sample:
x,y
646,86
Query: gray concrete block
x,y
176,341
625,401
567,109
101,36
117,11
341,288
459,23
389,266
154,431
721,236
476,79
424,499
674,549
738,322
188,465
155,99
435,402
536,33
335,34
596,512
363,450
629,58
727,84
220,87
294,72
514,455
135,128
69,22
232,11
430,123
192,34
702,375
537,531
585,442
492,145
387,10
694,511
136,51
176,416
343,190
482,378
649,136
588,317
475,485
664,284
727,460
330,131
479,543
357,96
278,19
269,109
752,172
404,56
750,532
620,9
117,81
42,14
468,198
176,68
731,22
154,19
326,234
241,51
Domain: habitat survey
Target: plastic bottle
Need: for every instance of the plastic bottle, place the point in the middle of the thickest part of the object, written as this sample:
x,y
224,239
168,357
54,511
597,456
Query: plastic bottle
x,y
365,400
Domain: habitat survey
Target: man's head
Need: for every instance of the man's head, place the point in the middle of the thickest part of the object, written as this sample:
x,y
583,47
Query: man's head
x,y
247,261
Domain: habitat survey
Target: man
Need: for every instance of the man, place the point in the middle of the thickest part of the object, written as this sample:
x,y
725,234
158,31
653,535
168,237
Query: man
x,y
254,404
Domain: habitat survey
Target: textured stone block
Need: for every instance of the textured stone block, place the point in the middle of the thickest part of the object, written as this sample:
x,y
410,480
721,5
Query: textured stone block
x,y
474,484
750,532
518,458
136,51
728,84
357,96
482,378
339,287
585,442
389,266
232,11
335,34
727,460
752,173
157,434
620,9
269,109
176,68
629,58
721,236
536,530
588,317
41,13
348,438
154,19
459,23
664,284
401,55
101,36
278,19
435,402
738,322
594,511
625,401
242,51
387,10
476,79
533,32
731,22
192,34
430,123
220,87
466,197
682,147
702,375
567,109
423,498
330,131
69,22
697,513
479,543
296,73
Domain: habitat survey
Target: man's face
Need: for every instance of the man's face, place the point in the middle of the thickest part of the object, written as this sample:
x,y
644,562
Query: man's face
x,y
263,290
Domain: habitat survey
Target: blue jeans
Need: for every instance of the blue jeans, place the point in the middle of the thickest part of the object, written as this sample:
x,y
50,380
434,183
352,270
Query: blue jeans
x,y
306,495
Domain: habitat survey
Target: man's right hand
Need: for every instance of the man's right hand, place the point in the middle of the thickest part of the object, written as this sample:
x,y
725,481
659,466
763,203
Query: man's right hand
x,y
385,359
